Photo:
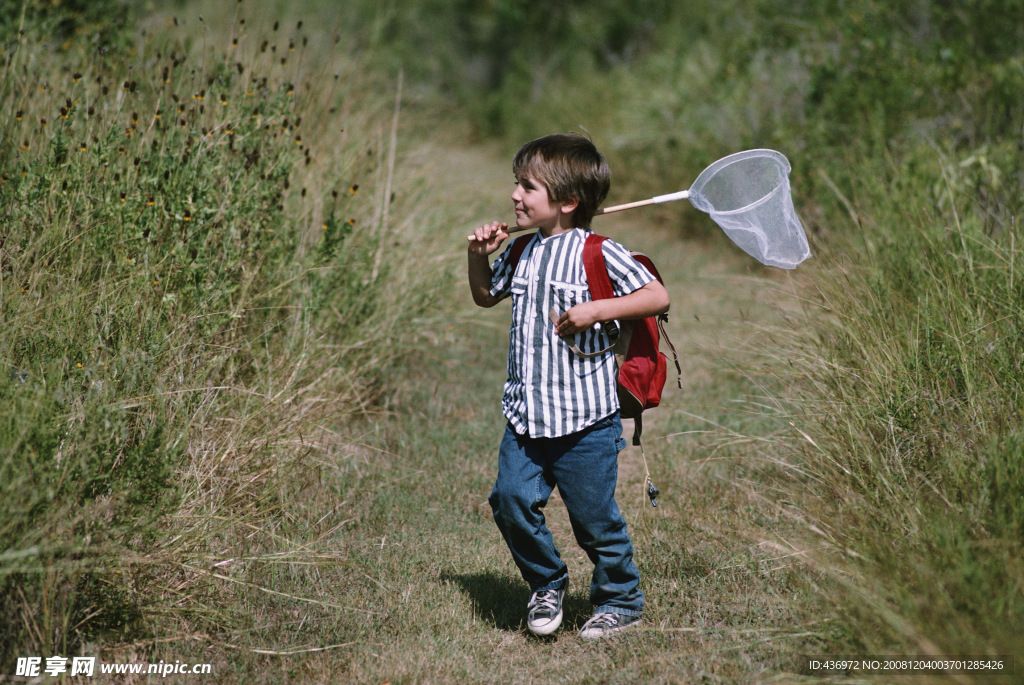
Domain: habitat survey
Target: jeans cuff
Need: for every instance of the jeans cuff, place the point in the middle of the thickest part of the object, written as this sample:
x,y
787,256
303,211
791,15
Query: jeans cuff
x,y
606,609
553,585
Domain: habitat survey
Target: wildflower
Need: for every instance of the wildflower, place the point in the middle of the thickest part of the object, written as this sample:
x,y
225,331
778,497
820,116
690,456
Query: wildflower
x,y
42,122
351,222
81,147
122,196
354,189
17,115
76,77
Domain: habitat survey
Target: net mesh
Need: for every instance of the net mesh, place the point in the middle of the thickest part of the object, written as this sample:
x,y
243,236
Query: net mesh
x,y
747,195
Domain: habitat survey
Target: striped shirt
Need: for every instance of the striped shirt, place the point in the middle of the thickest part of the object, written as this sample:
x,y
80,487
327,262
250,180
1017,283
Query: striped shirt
x,y
550,391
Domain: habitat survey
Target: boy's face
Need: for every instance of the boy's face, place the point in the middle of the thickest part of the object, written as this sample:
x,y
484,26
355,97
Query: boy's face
x,y
535,208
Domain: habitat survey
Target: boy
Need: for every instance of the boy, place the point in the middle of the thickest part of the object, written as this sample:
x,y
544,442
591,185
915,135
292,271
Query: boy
x,y
562,409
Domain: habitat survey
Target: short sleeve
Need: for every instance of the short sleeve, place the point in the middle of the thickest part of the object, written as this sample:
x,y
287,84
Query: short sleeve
x,y
626,274
501,274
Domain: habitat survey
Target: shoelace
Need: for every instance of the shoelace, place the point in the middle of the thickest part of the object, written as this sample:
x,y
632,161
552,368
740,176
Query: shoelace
x,y
545,602
603,620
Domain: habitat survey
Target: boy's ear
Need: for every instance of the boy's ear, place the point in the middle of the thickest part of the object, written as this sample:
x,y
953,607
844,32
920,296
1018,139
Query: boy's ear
x,y
569,206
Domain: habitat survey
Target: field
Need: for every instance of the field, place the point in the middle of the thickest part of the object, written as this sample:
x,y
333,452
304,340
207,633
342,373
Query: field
x,y
249,415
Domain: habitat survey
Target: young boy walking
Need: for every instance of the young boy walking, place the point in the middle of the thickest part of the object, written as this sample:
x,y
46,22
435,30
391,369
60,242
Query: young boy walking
x,y
562,408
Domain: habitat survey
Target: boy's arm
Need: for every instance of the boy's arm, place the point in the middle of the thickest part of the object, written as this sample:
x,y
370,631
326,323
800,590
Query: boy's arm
x,y
649,300
487,239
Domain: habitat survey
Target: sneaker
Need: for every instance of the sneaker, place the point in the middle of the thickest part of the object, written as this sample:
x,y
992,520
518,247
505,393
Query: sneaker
x,y
606,624
545,611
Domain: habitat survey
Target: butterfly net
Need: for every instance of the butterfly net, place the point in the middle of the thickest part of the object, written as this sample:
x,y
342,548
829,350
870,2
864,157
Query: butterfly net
x,y
747,195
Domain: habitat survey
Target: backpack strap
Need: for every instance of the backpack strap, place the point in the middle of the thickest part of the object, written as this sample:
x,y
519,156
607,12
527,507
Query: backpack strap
x,y
675,357
597,272
599,283
517,248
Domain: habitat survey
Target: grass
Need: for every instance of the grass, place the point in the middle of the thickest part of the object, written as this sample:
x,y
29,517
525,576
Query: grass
x,y
249,415
430,590
911,460
193,293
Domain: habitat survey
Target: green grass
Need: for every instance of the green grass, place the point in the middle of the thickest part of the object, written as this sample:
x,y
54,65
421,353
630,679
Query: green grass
x,y
249,415
194,293
421,586
912,387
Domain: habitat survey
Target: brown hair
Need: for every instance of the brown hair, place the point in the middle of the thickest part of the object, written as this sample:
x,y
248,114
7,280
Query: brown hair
x,y
571,168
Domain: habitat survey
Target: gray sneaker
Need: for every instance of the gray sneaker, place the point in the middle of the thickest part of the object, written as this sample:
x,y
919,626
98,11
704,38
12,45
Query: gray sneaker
x,y
606,624
545,609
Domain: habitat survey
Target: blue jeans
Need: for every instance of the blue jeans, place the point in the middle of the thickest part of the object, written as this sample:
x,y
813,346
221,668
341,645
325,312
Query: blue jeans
x,y
584,466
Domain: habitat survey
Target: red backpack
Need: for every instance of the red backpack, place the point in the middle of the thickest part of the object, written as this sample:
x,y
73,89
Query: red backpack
x,y
642,365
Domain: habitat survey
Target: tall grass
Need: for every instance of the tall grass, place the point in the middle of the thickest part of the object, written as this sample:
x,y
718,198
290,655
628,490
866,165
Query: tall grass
x,y
911,406
205,255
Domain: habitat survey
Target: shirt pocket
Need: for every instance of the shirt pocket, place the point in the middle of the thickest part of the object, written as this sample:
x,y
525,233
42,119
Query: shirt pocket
x,y
565,296
517,290
594,340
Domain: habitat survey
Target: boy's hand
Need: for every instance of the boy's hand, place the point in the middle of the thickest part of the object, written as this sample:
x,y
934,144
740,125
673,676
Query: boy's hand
x,y
578,319
488,238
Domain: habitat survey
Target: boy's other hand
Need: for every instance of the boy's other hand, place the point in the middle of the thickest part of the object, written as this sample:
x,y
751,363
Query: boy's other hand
x,y
578,319
488,238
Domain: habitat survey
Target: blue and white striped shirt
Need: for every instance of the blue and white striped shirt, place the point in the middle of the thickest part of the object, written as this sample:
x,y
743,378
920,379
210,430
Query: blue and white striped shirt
x,y
550,391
